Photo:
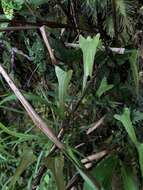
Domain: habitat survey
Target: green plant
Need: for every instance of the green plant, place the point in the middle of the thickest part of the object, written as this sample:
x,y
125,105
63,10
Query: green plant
x,y
127,123
97,48
63,80
89,47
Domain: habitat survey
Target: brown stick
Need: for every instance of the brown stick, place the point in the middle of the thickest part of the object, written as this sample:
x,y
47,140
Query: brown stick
x,y
94,157
96,125
31,112
46,41
22,25
17,28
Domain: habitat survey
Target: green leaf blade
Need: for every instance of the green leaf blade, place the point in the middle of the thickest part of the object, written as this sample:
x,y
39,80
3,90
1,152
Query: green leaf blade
x,y
127,123
104,87
89,47
128,179
134,68
63,83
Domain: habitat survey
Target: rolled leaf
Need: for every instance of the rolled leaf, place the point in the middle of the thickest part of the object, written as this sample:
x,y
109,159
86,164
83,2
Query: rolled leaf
x,y
89,47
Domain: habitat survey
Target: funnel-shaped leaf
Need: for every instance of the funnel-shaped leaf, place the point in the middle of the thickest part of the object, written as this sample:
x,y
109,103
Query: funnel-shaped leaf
x,y
63,81
89,46
104,87
56,165
127,123
27,158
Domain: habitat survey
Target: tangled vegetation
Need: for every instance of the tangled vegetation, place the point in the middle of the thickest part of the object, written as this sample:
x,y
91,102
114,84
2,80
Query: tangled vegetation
x,y
76,67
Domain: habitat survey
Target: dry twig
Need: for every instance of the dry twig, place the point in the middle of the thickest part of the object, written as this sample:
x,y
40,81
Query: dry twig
x,y
94,157
46,41
97,124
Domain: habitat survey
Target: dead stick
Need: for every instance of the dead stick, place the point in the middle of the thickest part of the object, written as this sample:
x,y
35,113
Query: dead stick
x,y
31,112
46,41
19,24
17,28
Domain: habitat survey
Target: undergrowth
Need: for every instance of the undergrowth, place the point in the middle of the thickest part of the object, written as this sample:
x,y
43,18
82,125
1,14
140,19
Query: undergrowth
x,y
91,89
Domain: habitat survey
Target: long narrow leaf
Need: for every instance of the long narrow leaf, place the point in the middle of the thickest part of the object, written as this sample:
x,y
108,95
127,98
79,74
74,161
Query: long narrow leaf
x,y
89,179
28,96
128,179
140,152
15,134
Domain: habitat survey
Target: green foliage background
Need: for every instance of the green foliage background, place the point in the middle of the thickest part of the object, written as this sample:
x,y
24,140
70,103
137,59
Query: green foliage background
x,y
99,54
